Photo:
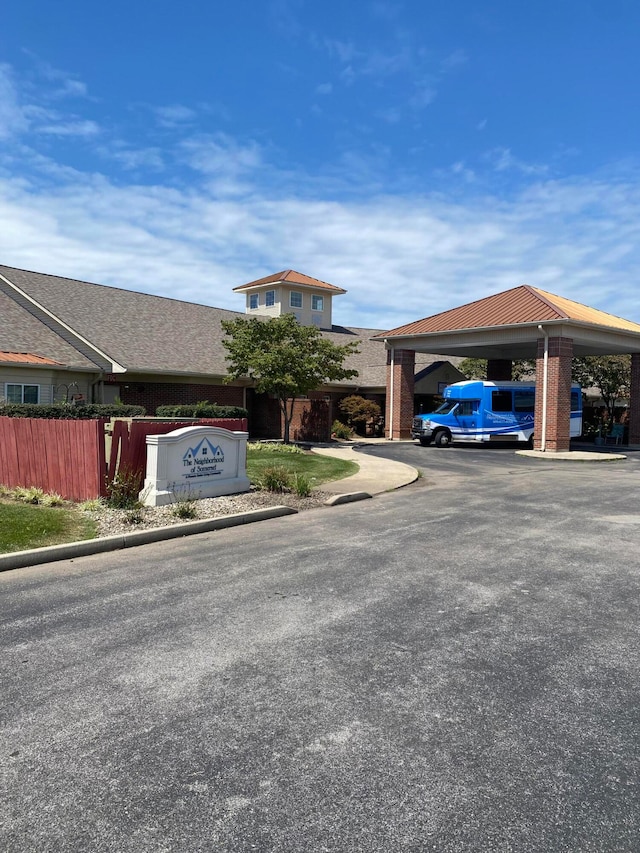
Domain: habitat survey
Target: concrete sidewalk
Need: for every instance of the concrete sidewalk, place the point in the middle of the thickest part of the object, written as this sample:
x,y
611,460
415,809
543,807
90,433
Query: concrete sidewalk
x,y
375,475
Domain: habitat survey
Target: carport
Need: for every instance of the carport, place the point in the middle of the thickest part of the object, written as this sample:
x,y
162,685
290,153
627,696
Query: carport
x,y
523,322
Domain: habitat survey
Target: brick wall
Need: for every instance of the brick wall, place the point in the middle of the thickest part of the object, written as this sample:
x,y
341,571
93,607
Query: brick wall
x,y
634,400
311,419
558,394
399,416
154,394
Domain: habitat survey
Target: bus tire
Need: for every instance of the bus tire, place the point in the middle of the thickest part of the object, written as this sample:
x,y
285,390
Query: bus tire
x,y
425,442
442,438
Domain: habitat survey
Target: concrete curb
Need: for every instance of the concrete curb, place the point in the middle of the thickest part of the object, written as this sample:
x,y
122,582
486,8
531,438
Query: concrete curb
x,y
572,456
86,547
347,498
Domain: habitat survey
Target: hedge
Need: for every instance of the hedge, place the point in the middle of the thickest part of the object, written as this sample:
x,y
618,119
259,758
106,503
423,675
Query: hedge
x,y
201,410
68,412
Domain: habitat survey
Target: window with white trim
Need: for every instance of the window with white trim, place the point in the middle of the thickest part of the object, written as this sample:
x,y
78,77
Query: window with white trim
x,y
15,393
253,300
317,303
295,299
270,298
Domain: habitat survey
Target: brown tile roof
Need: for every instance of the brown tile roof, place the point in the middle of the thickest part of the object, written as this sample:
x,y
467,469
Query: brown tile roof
x,y
26,358
291,277
519,306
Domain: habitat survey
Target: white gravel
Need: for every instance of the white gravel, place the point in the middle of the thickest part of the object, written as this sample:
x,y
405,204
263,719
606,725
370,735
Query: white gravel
x,y
113,521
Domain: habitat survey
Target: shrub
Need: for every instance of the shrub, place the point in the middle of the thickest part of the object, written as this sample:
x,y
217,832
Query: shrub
x,y
67,412
28,495
301,485
359,410
204,409
184,508
52,499
273,447
91,505
340,430
184,503
276,478
123,490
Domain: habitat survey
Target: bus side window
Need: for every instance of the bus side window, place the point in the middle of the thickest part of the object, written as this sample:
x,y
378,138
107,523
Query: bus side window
x,y
501,401
524,401
575,401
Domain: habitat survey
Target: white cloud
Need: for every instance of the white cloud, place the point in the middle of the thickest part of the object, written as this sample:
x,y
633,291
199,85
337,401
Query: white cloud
x,y
503,160
235,217
324,89
399,257
70,127
174,115
13,120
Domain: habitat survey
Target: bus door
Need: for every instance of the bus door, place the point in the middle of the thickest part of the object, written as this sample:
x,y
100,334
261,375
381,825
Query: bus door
x,y
467,417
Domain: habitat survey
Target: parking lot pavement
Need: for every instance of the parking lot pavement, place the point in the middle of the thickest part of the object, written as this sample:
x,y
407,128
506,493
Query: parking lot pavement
x,y
453,666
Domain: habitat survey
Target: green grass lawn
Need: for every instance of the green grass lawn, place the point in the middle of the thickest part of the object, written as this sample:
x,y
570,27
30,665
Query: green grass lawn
x,y
319,469
24,526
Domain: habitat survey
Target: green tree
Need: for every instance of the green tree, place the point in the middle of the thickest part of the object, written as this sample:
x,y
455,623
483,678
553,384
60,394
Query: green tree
x,y
610,374
284,358
476,368
358,410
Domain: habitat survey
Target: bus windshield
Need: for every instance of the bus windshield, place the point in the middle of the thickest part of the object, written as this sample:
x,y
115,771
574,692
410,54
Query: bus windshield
x,y
447,407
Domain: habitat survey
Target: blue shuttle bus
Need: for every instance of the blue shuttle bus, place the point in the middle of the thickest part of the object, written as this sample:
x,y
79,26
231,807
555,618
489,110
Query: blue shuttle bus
x,y
478,410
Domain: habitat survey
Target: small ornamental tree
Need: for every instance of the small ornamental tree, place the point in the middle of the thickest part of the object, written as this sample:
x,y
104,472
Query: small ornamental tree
x,y
358,410
284,358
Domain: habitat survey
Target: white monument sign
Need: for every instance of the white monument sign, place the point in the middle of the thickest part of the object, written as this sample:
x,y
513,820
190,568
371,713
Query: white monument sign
x,y
195,462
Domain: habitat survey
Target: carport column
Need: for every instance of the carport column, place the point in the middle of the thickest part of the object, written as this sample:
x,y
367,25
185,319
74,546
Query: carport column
x,y
634,400
499,369
401,368
551,427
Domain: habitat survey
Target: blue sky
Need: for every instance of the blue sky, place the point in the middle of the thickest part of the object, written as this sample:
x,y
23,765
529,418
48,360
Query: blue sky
x,y
420,154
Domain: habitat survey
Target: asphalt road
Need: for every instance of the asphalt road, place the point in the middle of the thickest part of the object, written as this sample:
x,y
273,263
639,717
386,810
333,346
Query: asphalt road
x,y
451,667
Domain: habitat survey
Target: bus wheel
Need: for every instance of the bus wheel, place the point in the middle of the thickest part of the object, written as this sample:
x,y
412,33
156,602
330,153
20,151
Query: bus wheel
x,y
425,442
442,439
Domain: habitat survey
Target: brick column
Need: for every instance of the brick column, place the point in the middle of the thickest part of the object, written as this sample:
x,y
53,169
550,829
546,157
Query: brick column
x,y
499,369
401,368
558,394
634,400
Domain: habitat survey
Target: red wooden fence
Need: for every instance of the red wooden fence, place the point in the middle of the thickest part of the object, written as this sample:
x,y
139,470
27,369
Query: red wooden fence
x,y
66,457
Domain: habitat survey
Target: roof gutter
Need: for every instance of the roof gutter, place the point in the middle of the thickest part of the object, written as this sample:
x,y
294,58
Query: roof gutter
x,y
392,364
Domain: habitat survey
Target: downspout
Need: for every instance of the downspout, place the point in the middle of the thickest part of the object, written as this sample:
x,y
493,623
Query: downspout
x,y
391,393
545,375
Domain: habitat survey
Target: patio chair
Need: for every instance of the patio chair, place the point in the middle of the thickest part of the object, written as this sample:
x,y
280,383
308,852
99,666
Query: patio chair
x,y
616,435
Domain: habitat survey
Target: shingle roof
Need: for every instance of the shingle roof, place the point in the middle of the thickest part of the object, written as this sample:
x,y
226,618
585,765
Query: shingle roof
x,y
27,358
519,305
20,331
148,333
291,277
